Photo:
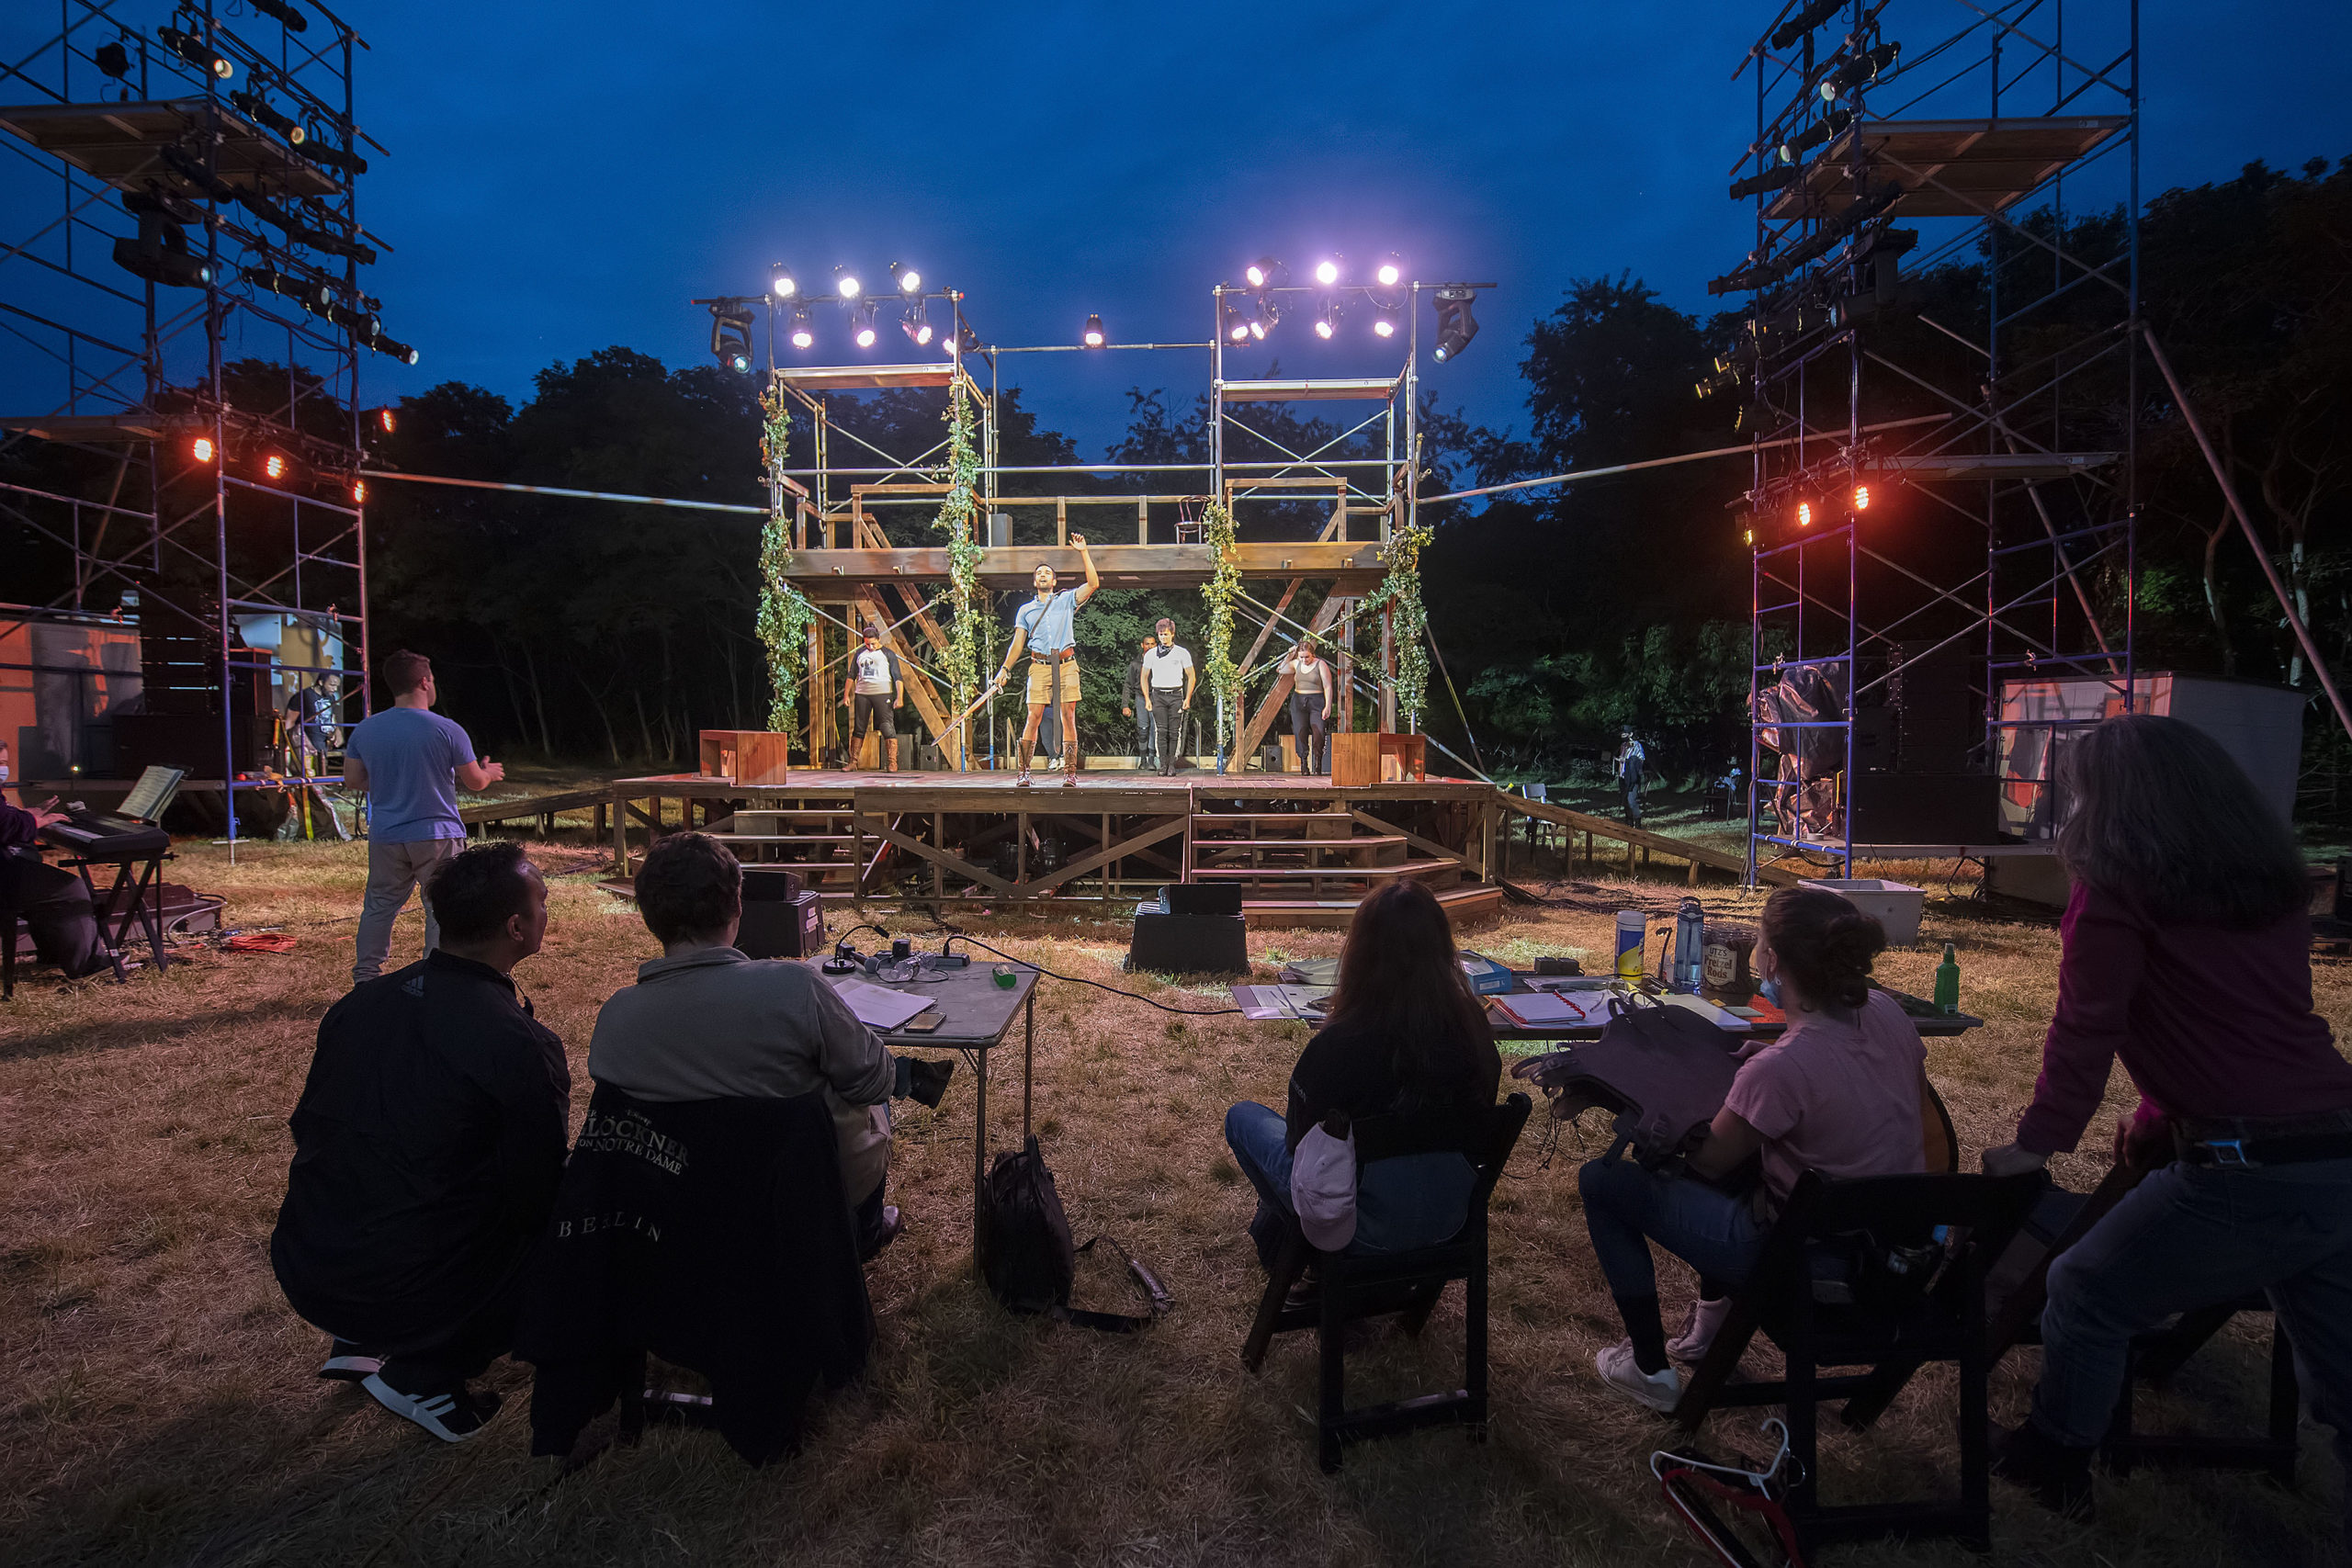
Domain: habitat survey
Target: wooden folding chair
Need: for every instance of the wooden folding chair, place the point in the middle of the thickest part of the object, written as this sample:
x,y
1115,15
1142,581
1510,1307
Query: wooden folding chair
x,y
1352,1286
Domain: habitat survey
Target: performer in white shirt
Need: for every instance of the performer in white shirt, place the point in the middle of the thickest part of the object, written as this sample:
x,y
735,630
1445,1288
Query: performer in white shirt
x,y
1311,691
874,689
1168,679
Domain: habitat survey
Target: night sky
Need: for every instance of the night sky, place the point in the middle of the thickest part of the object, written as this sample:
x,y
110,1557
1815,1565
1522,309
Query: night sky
x,y
563,177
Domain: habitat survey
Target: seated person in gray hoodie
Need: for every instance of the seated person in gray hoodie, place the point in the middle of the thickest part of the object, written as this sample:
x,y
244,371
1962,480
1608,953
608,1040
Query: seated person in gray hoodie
x,y
706,1022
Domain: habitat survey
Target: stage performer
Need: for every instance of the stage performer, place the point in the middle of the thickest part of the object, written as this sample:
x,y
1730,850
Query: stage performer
x,y
427,1145
2186,952
1137,706
1046,627
1311,692
874,689
1167,678
412,761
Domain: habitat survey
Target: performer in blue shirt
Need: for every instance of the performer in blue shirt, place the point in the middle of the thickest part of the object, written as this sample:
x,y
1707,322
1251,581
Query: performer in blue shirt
x,y
1048,628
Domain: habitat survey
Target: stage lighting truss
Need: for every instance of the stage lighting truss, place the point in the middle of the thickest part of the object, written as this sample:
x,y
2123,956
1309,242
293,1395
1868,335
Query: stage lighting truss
x,y
1094,336
1455,324
730,333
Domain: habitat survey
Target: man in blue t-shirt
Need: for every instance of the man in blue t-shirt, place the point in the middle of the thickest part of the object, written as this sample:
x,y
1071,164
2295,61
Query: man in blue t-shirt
x,y
1048,628
412,762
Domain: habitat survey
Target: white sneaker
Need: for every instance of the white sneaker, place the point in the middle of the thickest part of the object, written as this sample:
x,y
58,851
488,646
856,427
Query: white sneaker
x,y
1699,1330
349,1362
1660,1391
452,1417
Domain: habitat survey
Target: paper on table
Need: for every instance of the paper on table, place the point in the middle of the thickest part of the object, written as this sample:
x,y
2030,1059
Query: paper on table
x,y
1722,1017
1535,1008
879,1007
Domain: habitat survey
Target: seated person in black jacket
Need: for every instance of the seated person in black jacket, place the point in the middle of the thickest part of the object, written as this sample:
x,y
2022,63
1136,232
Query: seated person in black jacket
x,y
427,1145
48,898
1405,1034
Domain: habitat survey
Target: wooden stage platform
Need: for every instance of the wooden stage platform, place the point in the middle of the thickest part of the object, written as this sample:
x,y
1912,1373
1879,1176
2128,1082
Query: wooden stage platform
x,y
1303,852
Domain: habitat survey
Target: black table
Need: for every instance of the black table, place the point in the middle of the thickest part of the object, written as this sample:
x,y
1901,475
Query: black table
x,y
1930,1024
978,1014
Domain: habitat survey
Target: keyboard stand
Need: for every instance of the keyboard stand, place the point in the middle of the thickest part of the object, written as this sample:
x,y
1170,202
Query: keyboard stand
x,y
139,874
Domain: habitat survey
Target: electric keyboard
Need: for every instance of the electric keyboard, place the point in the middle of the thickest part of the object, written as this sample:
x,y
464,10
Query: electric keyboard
x,y
107,838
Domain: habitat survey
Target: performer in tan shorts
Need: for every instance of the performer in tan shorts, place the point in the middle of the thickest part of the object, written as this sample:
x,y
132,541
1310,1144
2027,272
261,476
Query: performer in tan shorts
x,y
1046,627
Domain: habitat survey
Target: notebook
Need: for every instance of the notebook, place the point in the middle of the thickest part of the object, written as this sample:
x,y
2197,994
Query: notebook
x,y
1541,1010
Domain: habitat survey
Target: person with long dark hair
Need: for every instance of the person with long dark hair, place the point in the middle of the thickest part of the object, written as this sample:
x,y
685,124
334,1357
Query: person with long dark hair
x,y
1404,1034
2187,954
1838,1091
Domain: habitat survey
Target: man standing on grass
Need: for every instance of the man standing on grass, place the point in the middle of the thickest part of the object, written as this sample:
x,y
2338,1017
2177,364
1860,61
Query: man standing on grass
x,y
1630,758
412,762
427,1146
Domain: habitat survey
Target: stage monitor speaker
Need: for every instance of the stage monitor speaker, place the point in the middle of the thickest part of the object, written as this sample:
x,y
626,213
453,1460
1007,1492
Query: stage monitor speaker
x,y
1200,898
1925,808
781,918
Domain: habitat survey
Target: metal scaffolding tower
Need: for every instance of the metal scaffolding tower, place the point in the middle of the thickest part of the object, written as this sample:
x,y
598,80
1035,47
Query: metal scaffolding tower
x,y
1949,332
183,288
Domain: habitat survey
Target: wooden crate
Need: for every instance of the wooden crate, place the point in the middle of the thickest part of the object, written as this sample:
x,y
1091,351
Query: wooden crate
x,y
1366,756
744,756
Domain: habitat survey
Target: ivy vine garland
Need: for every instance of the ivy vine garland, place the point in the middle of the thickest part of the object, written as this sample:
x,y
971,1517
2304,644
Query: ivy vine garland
x,y
785,616
958,521
1400,593
1223,585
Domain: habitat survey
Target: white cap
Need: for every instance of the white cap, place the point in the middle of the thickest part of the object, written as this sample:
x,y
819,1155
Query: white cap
x,y
1323,1188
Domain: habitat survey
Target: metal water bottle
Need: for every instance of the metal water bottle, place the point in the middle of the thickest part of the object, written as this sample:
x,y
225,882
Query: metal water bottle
x,y
1689,946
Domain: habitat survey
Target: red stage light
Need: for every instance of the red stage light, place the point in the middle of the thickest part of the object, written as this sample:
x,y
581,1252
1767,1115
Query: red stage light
x,y
201,450
384,420
359,491
1805,514
1861,498
274,466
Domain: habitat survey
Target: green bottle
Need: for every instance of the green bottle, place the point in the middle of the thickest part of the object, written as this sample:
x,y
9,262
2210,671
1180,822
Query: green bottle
x,y
1948,983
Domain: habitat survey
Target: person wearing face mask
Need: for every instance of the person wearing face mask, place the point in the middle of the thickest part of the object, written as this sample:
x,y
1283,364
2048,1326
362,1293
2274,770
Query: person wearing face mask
x,y
1839,1092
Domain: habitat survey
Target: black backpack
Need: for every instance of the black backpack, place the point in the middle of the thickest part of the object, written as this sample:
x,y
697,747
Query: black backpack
x,y
1027,1253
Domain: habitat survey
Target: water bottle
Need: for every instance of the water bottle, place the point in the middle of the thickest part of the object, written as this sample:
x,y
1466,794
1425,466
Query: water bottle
x,y
1631,925
1689,946
1948,983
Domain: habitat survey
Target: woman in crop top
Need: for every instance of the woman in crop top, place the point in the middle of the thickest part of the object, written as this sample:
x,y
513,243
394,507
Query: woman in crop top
x,y
1310,700
1838,1092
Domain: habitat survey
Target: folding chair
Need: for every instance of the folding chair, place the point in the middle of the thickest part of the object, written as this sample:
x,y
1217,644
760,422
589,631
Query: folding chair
x,y
1353,1286
1886,1274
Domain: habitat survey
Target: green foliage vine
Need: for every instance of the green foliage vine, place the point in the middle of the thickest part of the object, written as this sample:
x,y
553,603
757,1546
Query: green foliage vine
x,y
784,615
1400,593
1223,585
958,521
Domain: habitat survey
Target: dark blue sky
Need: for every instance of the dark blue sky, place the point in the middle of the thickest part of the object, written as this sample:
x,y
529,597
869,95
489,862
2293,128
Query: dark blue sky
x,y
563,177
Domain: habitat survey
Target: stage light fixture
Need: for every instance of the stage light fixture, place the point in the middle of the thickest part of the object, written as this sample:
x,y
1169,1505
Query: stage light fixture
x,y
909,278
845,283
1327,320
1805,514
113,59
964,340
257,109
274,466
1812,135
1456,325
1769,180
387,420
1237,325
1392,270
1383,327
1261,272
862,325
358,492
1864,67
1258,328
201,449
294,20
730,335
1327,272
917,330
160,255
803,336
1861,498
1093,337
190,48
1804,21
784,284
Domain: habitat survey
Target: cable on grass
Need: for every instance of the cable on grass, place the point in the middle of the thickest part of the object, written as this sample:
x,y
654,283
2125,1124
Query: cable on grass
x,y
1080,980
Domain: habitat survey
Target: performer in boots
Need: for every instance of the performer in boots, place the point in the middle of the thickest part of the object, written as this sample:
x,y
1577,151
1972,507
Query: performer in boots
x,y
1046,627
873,690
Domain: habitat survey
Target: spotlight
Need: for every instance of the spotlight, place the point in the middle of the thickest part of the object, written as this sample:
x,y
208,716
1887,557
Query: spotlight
x,y
295,21
803,335
1327,273
201,449
1805,514
1811,137
1861,498
358,492
397,350
274,466
1386,310
387,420
1257,327
730,333
1391,271
861,326
1456,325
962,340
845,283
909,278
188,47
865,337
258,109
1261,272
1864,67
1237,325
113,59
1093,337
784,284
160,255
917,329
1327,320
1383,327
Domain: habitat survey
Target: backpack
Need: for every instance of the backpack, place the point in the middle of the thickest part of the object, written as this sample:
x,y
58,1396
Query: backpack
x,y
1025,1252
1664,1070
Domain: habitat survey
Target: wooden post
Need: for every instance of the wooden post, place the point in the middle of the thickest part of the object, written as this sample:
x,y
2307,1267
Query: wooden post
x,y
1143,520
1061,520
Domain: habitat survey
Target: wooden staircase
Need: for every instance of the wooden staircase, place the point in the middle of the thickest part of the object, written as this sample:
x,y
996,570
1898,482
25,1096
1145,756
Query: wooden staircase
x,y
817,841
1311,868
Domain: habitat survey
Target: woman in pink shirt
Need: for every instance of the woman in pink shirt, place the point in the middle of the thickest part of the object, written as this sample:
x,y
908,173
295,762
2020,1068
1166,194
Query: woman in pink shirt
x,y
2186,956
1838,1092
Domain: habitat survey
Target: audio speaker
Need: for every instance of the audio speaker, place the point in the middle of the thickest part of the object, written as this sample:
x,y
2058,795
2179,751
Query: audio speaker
x,y
781,917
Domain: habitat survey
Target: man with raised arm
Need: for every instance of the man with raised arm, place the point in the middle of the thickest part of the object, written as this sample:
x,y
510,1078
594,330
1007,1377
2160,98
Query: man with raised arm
x,y
1046,627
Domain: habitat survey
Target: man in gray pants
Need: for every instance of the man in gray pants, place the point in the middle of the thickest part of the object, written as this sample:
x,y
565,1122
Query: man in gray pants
x,y
412,761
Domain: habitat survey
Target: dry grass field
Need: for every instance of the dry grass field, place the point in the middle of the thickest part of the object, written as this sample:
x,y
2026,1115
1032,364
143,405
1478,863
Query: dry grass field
x,y
157,1403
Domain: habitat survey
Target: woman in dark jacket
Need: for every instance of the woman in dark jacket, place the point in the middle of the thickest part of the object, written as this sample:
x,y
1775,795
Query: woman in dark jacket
x,y
1405,1034
2188,956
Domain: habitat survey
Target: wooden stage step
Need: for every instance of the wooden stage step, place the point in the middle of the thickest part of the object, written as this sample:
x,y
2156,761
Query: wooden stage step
x,y
1461,905
1368,841
783,837
1326,873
